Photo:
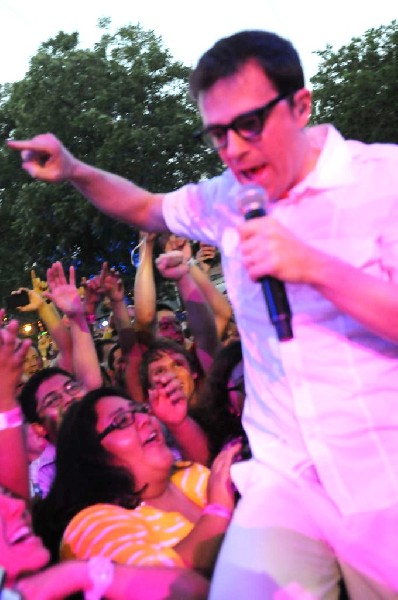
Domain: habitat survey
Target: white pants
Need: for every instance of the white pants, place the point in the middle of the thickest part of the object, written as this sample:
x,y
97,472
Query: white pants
x,y
288,541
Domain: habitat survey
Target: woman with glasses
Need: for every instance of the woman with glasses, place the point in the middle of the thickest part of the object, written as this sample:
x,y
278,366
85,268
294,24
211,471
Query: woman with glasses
x,y
118,492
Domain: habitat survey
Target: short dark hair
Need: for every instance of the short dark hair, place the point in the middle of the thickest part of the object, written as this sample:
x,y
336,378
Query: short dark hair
x,y
100,344
159,346
111,356
164,306
27,396
276,56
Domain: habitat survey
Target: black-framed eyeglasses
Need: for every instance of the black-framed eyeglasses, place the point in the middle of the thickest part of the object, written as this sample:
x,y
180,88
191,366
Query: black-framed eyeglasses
x,y
56,399
124,419
248,126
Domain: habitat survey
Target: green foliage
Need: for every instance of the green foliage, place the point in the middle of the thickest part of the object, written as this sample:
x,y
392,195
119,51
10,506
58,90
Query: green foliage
x,y
356,87
122,106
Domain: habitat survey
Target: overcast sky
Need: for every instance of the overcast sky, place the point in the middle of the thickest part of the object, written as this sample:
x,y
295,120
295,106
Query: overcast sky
x,y
186,28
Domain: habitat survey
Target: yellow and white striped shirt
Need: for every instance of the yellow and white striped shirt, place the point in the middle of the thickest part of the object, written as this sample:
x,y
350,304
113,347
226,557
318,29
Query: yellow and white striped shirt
x,y
141,536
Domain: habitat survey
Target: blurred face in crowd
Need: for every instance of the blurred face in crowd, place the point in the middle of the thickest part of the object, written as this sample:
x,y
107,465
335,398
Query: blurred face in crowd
x,y
178,365
54,395
32,363
35,443
236,390
278,157
133,437
20,550
119,367
169,326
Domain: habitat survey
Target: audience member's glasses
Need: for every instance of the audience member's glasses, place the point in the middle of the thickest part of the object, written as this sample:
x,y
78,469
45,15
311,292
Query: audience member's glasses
x,y
56,399
124,419
248,126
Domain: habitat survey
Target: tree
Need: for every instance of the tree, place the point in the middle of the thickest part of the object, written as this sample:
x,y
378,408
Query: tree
x,y
122,106
356,86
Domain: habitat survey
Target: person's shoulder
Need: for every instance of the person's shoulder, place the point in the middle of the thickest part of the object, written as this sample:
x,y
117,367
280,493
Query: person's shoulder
x,y
185,471
97,512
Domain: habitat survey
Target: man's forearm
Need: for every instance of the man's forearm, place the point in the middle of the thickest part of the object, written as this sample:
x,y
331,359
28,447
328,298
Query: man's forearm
x,y
371,301
118,197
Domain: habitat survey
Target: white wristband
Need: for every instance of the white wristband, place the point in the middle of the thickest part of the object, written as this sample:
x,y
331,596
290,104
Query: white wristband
x,y
217,510
11,418
101,571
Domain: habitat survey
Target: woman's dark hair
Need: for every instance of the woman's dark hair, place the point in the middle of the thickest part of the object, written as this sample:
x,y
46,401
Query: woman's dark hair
x,y
213,410
276,56
85,472
27,396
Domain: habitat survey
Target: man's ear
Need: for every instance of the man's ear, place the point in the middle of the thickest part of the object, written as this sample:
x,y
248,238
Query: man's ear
x,y
39,430
303,105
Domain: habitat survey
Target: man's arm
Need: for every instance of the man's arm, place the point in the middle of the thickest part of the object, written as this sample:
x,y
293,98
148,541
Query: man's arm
x,y
268,248
45,158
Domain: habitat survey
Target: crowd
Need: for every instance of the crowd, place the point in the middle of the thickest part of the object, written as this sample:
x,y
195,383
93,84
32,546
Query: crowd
x,y
181,460
140,459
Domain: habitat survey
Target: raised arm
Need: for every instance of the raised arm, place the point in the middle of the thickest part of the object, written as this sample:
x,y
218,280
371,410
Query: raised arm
x,y
66,296
51,318
44,157
200,547
173,265
217,301
13,456
144,286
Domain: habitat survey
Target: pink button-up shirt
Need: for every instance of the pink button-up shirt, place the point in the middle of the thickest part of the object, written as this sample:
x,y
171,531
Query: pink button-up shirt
x,y
329,397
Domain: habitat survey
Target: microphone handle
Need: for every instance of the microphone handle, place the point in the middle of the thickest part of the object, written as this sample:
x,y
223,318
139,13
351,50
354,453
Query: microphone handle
x,y
275,294
278,306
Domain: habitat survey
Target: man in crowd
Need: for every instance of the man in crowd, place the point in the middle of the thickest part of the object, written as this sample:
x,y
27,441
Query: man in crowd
x,y
320,496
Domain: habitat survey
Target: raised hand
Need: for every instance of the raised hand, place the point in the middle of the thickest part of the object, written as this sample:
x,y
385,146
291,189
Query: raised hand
x,y
220,489
44,157
12,356
112,283
65,295
205,255
35,300
269,248
167,399
172,265
38,285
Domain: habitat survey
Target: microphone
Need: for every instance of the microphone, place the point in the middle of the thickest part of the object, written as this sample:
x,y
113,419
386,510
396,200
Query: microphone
x,y
252,201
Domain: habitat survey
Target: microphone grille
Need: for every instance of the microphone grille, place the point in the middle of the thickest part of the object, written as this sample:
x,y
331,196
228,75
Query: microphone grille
x,y
252,197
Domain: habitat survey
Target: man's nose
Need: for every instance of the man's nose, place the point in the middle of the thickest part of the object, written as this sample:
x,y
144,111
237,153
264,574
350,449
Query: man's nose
x,y
236,145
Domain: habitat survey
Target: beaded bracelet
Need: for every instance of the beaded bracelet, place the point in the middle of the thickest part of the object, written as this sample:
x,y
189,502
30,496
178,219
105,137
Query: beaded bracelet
x,y
11,418
218,510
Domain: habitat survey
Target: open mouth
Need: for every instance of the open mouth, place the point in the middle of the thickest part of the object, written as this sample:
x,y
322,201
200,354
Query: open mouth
x,y
153,437
250,174
22,534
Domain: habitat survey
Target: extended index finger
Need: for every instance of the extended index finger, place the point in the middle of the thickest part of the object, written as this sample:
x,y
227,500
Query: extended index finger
x,y
39,143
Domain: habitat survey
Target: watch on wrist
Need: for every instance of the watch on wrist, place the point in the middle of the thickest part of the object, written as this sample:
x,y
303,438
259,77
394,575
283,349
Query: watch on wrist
x,y
101,571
